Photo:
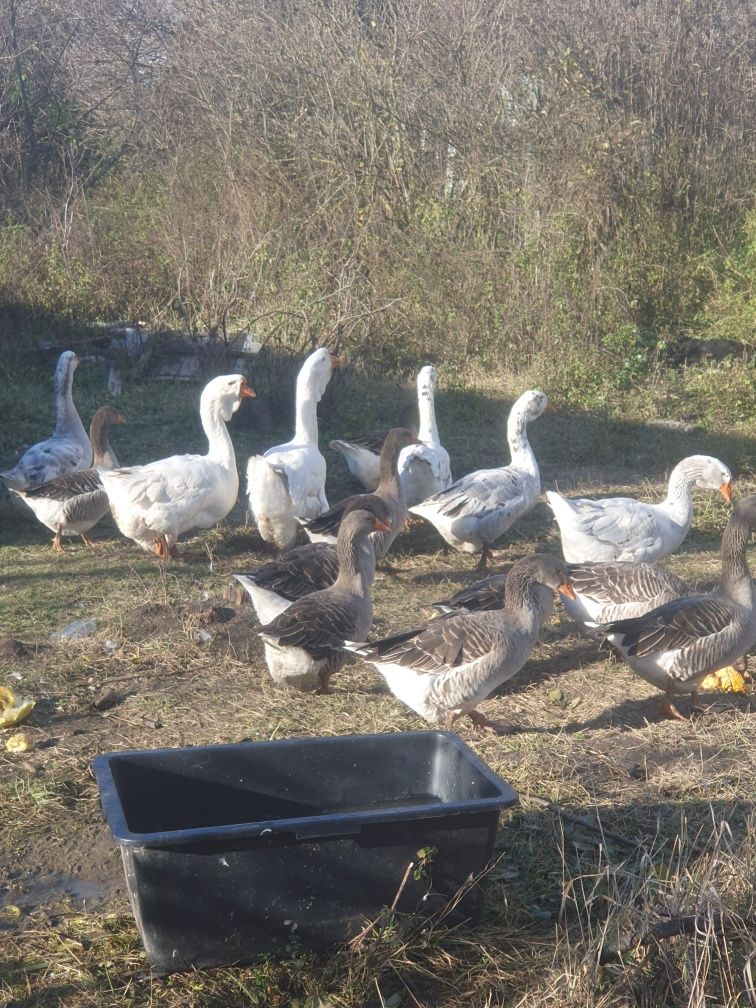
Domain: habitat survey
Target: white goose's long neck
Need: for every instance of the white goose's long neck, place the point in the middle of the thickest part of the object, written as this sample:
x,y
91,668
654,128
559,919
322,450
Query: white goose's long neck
x,y
679,500
220,446
67,419
519,446
306,421
427,431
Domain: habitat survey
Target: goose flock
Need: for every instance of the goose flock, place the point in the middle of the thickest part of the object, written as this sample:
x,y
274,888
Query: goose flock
x,y
314,600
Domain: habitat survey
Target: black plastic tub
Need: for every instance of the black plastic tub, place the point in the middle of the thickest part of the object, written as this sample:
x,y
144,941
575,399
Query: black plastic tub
x,y
232,851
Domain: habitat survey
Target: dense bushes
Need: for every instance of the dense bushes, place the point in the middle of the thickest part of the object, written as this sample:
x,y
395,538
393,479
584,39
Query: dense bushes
x,y
487,183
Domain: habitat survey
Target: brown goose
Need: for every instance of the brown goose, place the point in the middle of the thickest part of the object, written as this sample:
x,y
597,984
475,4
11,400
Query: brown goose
x,y
675,646
304,644
72,504
302,570
325,527
445,667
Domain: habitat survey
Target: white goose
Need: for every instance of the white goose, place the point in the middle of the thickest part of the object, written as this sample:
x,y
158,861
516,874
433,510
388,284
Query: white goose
x,y
622,528
153,504
475,510
288,481
67,450
424,468
72,504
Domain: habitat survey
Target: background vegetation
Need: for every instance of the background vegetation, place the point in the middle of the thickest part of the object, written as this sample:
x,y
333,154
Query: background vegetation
x,y
556,187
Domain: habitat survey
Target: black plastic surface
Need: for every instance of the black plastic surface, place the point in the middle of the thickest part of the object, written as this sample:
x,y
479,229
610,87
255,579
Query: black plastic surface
x,y
236,850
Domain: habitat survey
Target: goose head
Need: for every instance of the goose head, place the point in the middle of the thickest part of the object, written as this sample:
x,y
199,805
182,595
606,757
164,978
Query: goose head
x,y
315,373
361,522
224,394
540,568
64,369
373,504
711,474
106,415
532,404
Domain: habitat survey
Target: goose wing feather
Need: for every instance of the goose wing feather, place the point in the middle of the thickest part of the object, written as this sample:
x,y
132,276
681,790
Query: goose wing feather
x,y
299,572
438,645
64,488
616,583
318,623
673,626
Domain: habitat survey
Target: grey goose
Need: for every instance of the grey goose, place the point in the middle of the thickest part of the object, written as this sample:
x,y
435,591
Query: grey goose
x,y
304,644
675,646
443,668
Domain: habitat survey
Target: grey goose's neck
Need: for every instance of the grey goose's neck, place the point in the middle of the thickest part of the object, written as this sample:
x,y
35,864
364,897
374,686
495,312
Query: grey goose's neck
x,y
735,579
356,558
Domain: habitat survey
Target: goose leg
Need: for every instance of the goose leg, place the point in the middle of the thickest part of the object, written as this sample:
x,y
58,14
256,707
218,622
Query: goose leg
x,y
485,556
323,676
481,721
57,545
447,721
669,710
90,542
163,550
698,707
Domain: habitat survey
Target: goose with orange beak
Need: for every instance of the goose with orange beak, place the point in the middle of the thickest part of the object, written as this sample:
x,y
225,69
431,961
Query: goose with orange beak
x,y
154,504
625,529
444,668
304,644
288,482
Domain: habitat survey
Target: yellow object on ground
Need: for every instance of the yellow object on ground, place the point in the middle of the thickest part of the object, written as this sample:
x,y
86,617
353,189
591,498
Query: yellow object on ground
x,y
19,743
725,680
13,708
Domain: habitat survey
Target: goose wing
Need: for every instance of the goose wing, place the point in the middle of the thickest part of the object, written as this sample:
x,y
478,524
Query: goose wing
x,y
617,583
673,626
438,645
299,572
478,493
318,623
616,521
481,596
65,488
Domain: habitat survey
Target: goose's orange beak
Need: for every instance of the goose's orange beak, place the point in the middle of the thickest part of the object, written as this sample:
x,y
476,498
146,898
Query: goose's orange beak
x,y
246,392
336,361
549,408
381,526
566,589
118,418
726,491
